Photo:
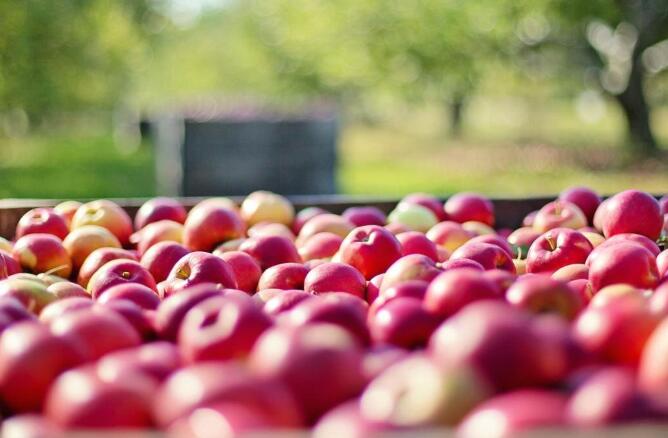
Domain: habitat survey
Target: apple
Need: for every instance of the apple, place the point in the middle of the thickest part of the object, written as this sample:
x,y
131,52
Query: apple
x,y
263,206
300,357
29,425
541,294
140,294
415,217
378,358
488,255
41,252
156,361
159,209
304,216
31,358
246,270
8,266
335,277
410,267
106,214
285,300
585,198
271,229
42,220
397,228
227,418
66,289
416,392
63,306
658,301
347,417
66,210
320,246
414,242
515,413
12,311
196,268
161,258
160,231
81,242
403,322
575,271
653,370
271,250
140,319
429,201
373,288
529,219
595,239
361,216
454,289
116,272
494,239
208,226
637,239
617,292
557,248
32,294
284,276
632,211
662,263
502,279
216,202
559,214
465,207
623,263
370,249
478,228
325,222
99,258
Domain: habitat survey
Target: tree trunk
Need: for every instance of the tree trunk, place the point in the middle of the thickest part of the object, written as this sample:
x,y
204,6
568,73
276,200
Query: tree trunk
x,y
456,106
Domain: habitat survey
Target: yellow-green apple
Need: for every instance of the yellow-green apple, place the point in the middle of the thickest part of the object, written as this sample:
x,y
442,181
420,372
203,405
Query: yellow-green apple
x,y
99,258
160,231
66,210
403,322
285,300
320,246
221,328
632,211
283,276
335,277
106,214
208,226
66,289
465,207
81,242
542,294
271,229
304,216
142,295
40,253
246,270
8,266
521,239
31,358
5,245
371,249
557,248
448,293
161,258
414,242
196,268
63,306
360,216
263,206
626,263
325,222
415,217
575,271
584,197
515,413
299,357
416,392
42,220
271,250
33,294
559,214
429,201
410,267
158,209
115,272
488,255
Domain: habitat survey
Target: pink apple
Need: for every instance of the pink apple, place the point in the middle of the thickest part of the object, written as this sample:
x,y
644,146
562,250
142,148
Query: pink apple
x,y
117,272
141,295
42,220
632,211
208,226
575,271
284,276
247,271
106,214
161,258
156,361
653,370
325,222
370,249
138,317
99,258
12,311
40,252
494,239
529,218
557,248
158,209
8,266
488,255
304,216
66,289
196,268
452,290
373,288
465,207
81,242
361,216
403,322
638,239
429,201
285,300
541,294
625,263
161,231
414,242
320,246
31,293
464,263
335,277
584,197
410,267
662,263
559,214
29,425
271,250
502,279
59,308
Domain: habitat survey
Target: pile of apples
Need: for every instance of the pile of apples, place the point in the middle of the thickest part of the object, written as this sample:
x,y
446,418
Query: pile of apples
x,y
230,319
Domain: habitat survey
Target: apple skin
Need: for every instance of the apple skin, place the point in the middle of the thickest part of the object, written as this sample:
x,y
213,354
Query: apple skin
x,y
335,277
40,252
502,279
662,263
320,246
79,399
453,290
156,361
66,210
12,311
557,248
42,220
81,242
304,216
378,358
161,258
221,328
521,239
494,239
325,222
158,209
403,322
371,249
143,296
106,214
263,206
584,197
361,216
96,331
271,250
31,293
465,207
285,300
625,263
488,255
516,412
246,270
67,289
99,258
155,232
559,214
574,271
632,211
299,357
196,268
29,426
208,226
230,419
540,294
410,267
373,288
8,266
116,272
429,201
31,358
209,383
61,307
285,276
412,289
653,370
271,229
658,301
140,319
414,217
636,239
347,416
414,242
529,219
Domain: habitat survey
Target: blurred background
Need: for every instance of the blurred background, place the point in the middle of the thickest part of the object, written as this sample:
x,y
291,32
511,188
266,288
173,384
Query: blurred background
x,y
381,97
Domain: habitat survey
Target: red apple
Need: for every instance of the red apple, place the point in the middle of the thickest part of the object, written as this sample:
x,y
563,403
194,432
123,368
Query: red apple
x,y
304,216
335,277
559,214
521,239
158,209
67,289
347,417
38,253
584,197
116,272
263,206
246,270
106,214
502,279
156,361
196,268
414,242
12,311
540,294
373,288
662,263
429,201
637,239
326,222
653,369
8,266
138,317
42,220
155,232
143,296
271,250
81,242
99,258
625,263
66,210
361,216
465,207
452,290
494,239
410,267
488,255
58,308
464,264
320,246
529,219
31,293
557,248
632,211
370,249
284,276
285,300
403,322
575,271
161,258
208,226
